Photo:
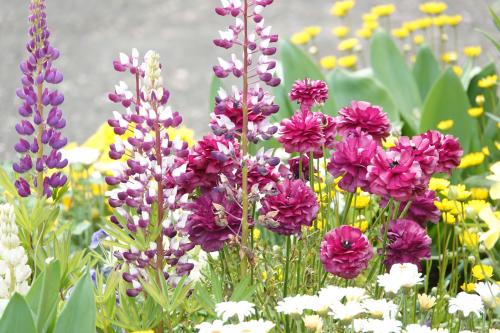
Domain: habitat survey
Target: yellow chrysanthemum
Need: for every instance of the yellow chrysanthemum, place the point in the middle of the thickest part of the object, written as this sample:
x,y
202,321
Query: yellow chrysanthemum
x,y
255,234
450,57
433,7
471,160
454,20
348,44
440,20
438,184
445,124
456,192
371,25
411,26
361,202
457,70
300,38
472,51
479,193
383,10
364,33
475,112
468,287
400,33
342,8
341,31
361,223
348,61
312,31
328,62
482,272
449,218
469,239
488,81
418,39
369,17
448,206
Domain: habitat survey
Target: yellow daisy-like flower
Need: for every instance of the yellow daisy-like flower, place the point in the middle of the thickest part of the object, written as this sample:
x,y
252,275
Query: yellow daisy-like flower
x,y
438,184
440,21
450,57
341,31
418,39
364,33
479,193
488,81
424,23
448,206
449,218
433,7
255,234
482,272
468,287
495,178
472,51
370,17
411,26
348,61
445,124
361,202
342,8
263,275
312,31
456,192
184,133
493,221
486,151
328,62
348,44
471,160
400,33
66,201
475,112
469,239
372,25
384,10
454,20
457,70
300,38
361,223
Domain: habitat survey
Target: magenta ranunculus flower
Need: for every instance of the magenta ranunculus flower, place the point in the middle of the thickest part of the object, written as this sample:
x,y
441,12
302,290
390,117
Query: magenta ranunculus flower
x,y
448,148
214,219
351,158
424,152
369,118
395,174
302,133
345,252
295,205
422,209
407,242
309,92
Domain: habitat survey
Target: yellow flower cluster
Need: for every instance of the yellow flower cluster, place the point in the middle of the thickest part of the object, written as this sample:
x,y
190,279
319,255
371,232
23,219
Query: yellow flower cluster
x,y
445,125
475,112
342,8
433,7
472,51
488,81
471,160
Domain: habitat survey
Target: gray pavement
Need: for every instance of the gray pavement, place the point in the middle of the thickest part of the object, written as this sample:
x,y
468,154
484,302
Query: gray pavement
x,y
90,33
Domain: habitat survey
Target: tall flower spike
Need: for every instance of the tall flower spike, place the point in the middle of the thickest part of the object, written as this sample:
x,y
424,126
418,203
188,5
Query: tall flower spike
x,y
147,186
40,129
14,272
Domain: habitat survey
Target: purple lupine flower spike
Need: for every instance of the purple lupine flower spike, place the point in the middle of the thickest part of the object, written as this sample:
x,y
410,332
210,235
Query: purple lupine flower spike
x,y
41,139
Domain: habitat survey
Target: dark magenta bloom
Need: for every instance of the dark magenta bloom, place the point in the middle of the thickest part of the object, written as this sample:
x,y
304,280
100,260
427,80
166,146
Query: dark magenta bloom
x,y
351,158
395,174
362,115
303,133
295,205
448,148
424,152
345,252
214,219
422,209
407,242
309,92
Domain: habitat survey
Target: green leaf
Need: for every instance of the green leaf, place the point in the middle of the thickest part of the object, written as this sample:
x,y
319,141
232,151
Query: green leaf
x,y
297,65
17,317
475,90
243,291
425,71
7,184
390,68
448,100
214,89
495,17
348,86
491,38
43,296
79,314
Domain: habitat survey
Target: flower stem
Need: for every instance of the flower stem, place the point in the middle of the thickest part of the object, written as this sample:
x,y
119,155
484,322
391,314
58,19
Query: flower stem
x,y
285,284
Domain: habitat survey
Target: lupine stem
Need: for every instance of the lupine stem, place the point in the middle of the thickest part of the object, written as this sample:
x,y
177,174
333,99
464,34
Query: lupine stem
x,y
244,147
39,176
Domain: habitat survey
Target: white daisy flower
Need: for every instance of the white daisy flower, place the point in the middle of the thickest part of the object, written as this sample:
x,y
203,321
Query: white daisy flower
x,y
293,305
400,276
380,308
253,326
489,293
215,327
227,310
377,325
346,311
466,303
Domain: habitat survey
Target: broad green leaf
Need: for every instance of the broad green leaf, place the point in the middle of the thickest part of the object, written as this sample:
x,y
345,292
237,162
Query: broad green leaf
x,y
79,314
44,295
353,86
7,184
390,68
243,290
214,88
474,90
426,70
297,65
17,317
448,100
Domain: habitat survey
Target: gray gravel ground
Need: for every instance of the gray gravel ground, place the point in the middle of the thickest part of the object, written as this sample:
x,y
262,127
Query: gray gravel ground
x,y
90,33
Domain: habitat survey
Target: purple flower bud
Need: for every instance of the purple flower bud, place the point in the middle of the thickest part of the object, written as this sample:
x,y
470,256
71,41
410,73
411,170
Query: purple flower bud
x,y
24,127
23,187
133,292
22,146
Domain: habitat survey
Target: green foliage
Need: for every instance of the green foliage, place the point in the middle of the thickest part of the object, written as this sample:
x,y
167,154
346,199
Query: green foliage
x,y
214,89
17,317
426,70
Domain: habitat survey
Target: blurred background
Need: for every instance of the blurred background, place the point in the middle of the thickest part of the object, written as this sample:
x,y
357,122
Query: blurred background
x,y
91,33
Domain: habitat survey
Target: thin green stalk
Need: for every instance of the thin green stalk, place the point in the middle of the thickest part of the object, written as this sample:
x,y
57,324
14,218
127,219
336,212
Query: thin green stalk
x,y
285,284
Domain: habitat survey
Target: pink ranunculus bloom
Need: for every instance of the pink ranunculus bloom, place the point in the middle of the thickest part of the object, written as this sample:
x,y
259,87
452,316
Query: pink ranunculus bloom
x,y
295,205
309,92
395,174
369,118
213,220
302,133
345,252
407,242
448,148
351,158
424,152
